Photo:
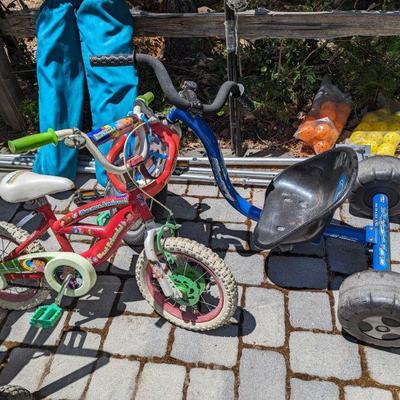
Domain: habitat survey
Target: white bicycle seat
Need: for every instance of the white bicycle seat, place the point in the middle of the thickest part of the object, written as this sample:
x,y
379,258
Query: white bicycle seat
x,y
20,186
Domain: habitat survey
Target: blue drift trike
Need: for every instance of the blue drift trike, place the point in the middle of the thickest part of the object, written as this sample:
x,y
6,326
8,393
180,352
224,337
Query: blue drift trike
x,y
301,201
299,206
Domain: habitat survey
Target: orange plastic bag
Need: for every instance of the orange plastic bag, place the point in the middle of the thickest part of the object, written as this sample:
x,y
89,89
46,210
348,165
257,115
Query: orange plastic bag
x,y
328,116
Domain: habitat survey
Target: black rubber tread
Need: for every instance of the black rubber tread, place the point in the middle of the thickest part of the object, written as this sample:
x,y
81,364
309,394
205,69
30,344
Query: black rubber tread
x,y
379,174
207,257
13,392
367,294
174,98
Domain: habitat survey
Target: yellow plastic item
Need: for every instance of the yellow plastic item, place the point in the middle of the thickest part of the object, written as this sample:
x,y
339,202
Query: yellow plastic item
x,y
375,136
364,126
386,149
392,137
356,135
374,146
379,129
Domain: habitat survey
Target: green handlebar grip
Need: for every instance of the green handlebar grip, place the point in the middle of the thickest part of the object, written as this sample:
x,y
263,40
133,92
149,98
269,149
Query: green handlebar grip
x,y
147,98
32,141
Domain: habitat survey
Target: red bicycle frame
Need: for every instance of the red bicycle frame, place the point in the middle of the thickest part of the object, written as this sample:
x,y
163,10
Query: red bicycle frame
x,y
132,210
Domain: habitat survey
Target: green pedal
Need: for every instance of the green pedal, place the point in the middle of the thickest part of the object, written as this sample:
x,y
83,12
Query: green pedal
x,y
46,316
103,218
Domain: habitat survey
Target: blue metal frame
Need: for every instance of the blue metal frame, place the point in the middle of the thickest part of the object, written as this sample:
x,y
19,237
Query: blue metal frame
x,y
379,233
377,236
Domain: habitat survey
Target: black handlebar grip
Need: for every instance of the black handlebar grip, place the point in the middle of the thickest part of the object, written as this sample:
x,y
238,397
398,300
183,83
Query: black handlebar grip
x,y
112,60
247,103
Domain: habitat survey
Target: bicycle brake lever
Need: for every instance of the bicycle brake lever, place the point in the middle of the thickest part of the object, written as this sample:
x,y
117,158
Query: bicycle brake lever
x,y
246,102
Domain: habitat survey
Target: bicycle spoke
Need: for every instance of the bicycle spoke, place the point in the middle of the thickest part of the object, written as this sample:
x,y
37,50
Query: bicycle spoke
x,y
207,304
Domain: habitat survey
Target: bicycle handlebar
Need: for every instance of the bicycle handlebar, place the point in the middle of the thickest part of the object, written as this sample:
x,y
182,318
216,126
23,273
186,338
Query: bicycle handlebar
x,y
31,142
53,137
115,60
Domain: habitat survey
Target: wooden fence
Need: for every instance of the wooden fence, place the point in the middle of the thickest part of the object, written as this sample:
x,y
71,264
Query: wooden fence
x,y
255,24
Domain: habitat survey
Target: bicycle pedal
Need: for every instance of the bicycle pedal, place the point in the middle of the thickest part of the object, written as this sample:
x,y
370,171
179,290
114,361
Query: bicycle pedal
x,y
46,316
103,218
82,197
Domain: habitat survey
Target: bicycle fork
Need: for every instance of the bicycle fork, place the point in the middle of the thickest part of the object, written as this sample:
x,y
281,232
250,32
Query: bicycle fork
x,y
160,269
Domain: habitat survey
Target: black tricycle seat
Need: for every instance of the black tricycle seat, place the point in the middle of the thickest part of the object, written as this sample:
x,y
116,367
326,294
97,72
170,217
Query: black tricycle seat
x,y
301,200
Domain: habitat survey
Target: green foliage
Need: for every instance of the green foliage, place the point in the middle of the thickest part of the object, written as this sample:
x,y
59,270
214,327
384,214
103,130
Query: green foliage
x,y
284,75
30,111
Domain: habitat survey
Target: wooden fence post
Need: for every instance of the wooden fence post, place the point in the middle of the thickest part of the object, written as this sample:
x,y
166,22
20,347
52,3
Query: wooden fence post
x,y
10,96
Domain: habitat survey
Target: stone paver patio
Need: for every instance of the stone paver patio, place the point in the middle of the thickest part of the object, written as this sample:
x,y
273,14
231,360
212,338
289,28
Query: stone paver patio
x,y
285,341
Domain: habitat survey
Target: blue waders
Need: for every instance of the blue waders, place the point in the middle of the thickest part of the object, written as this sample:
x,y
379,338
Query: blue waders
x,y
68,32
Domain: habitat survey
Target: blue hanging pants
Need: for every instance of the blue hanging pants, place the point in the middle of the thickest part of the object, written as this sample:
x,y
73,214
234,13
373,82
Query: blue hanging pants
x,y
68,32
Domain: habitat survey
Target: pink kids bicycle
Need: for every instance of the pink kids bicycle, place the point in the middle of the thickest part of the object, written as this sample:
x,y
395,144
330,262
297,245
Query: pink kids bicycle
x,y
185,282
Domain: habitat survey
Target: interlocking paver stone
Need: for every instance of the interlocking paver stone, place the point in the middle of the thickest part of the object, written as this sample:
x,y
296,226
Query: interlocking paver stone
x,y
395,246
217,347
210,384
85,182
313,390
18,329
265,310
203,190
361,393
346,257
7,210
297,272
49,242
25,368
383,365
229,236
183,207
71,366
247,268
143,357
177,189
218,210
258,197
112,379
93,310
132,300
336,300
245,192
324,355
161,381
198,231
136,335
80,247
124,261
262,375
60,202
310,310
310,249
350,219
29,226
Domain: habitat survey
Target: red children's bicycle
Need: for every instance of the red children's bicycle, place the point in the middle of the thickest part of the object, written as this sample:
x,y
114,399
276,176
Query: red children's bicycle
x,y
184,281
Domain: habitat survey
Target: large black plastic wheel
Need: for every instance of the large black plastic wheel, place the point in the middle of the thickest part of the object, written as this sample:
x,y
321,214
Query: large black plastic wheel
x,y
12,392
369,307
379,174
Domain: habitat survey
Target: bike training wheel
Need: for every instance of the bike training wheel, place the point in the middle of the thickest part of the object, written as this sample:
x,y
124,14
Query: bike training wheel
x,y
83,274
22,293
209,289
13,392
379,174
369,307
